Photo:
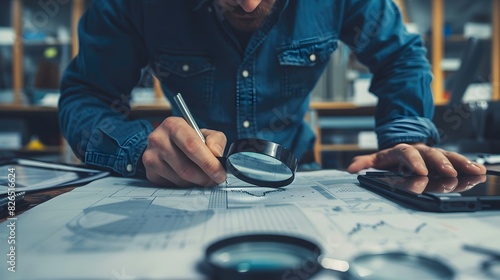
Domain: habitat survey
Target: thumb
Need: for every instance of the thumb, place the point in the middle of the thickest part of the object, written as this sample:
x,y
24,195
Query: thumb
x,y
215,141
216,149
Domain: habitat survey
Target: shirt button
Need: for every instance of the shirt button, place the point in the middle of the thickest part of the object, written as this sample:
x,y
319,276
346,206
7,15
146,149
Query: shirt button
x,y
245,74
185,67
312,57
129,167
246,124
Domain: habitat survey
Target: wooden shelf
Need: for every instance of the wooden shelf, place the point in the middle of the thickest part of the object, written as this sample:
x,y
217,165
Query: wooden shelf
x,y
344,148
438,41
35,108
495,72
47,149
328,108
25,108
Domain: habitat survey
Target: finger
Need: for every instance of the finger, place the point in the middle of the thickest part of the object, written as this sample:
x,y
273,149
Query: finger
x,y
191,145
156,178
162,152
403,158
186,169
436,161
159,172
215,141
361,162
463,165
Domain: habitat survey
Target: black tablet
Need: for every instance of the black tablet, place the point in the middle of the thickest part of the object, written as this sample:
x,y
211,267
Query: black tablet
x,y
31,175
437,194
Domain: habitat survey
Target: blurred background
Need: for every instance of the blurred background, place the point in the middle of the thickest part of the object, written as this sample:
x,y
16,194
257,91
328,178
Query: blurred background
x,y
38,39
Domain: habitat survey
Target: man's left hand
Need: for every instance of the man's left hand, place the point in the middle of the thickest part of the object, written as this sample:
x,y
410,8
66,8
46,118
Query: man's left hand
x,y
419,159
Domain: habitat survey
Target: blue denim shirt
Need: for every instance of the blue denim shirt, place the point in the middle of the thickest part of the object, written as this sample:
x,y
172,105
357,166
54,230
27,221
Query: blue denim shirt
x,y
261,90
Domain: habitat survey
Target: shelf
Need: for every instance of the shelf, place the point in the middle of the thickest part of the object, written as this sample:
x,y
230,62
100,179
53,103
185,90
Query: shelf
x,y
25,108
455,38
35,108
344,148
46,43
329,108
48,149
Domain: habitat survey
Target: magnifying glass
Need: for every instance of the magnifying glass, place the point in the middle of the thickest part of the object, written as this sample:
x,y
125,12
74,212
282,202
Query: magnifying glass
x,y
260,162
269,256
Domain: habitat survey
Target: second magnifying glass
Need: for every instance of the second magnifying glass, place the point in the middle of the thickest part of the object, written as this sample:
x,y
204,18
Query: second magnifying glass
x,y
269,256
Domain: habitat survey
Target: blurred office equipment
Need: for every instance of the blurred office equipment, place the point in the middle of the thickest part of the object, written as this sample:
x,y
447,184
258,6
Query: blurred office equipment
x,y
467,124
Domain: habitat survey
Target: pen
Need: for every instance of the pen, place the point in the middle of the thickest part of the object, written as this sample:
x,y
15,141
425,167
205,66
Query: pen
x,y
189,118
187,115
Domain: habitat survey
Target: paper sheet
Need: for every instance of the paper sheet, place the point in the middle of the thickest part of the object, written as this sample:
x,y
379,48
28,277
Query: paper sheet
x,y
117,228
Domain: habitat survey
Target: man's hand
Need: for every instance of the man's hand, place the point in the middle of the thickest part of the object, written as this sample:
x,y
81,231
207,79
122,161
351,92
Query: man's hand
x,y
419,159
176,155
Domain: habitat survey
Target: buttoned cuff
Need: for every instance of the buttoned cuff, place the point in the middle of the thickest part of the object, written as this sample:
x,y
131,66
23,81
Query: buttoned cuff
x,y
407,130
120,151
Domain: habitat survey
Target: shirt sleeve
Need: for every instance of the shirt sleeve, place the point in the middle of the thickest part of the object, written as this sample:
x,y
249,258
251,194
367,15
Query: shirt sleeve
x,y
95,88
375,32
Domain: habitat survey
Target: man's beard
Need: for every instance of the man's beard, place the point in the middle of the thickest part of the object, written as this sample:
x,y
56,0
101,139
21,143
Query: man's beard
x,y
244,21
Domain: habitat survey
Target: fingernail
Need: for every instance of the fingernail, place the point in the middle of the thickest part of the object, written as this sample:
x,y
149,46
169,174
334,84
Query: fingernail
x,y
473,164
219,150
219,177
423,167
448,166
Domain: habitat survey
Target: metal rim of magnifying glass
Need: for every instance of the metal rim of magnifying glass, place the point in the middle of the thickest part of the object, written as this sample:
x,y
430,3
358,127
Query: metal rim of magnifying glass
x,y
264,147
434,266
221,272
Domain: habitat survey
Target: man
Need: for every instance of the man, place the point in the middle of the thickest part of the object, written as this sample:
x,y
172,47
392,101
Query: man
x,y
245,68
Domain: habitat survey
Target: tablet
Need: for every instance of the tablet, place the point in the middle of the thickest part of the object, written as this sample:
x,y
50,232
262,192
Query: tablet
x,y
437,194
31,175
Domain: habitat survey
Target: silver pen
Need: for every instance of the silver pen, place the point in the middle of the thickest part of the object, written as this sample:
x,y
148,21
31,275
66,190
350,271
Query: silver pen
x,y
187,115
189,118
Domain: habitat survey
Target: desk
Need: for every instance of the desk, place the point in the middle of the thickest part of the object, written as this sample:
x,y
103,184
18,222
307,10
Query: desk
x,y
117,227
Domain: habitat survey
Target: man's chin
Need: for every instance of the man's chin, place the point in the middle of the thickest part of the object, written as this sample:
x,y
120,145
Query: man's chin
x,y
245,25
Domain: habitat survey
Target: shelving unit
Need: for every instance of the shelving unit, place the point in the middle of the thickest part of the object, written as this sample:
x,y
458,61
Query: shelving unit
x,y
318,109
438,41
496,49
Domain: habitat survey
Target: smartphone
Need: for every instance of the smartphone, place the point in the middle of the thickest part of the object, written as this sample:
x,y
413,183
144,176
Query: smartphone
x,y
435,193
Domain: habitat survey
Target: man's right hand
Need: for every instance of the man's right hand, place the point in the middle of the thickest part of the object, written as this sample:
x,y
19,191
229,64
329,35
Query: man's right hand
x,y
176,155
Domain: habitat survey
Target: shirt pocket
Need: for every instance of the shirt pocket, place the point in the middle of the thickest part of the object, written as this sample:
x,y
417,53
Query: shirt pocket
x,y
190,74
302,63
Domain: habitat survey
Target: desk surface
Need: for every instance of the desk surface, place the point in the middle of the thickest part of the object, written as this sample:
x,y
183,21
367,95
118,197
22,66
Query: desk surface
x,y
129,228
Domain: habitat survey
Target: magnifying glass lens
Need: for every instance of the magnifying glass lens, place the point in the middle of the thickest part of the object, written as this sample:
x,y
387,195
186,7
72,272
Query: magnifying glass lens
x,y
260,162
260,167
260,256
398,266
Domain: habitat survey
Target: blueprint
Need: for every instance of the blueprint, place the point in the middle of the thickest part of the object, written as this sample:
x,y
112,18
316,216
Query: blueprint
x,y
118,228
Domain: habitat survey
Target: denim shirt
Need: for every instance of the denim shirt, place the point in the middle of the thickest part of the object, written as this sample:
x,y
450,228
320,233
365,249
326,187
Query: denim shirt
x,y
261,90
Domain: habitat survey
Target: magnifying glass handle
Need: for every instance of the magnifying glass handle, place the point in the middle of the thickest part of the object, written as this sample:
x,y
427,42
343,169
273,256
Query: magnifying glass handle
x,y
334,265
